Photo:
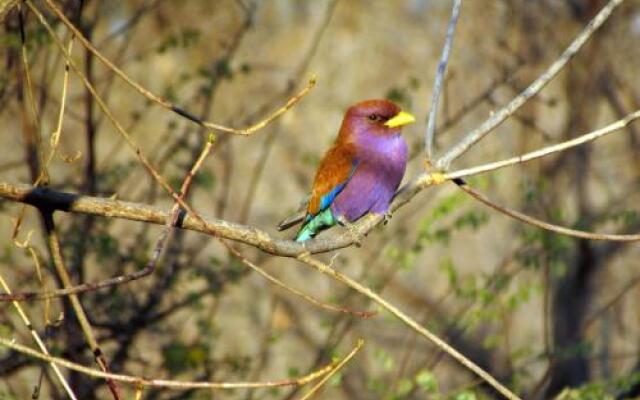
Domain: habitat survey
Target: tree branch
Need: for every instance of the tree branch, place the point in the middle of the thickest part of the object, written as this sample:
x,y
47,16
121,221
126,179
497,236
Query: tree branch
x,y
501,115
164,102
545,151
169,384
541,224
437,88
39,341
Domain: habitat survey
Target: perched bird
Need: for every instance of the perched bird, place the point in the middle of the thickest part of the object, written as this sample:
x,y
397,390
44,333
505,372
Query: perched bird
x,y
361,171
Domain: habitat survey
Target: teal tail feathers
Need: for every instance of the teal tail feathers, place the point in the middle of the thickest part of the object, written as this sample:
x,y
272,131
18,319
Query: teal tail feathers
x,y
321,221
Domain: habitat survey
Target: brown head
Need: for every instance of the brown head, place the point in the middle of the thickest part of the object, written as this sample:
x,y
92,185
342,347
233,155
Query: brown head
x,y
378,117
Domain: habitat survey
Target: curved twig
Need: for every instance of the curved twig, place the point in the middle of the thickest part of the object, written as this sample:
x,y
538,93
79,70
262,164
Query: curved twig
x,y
541,224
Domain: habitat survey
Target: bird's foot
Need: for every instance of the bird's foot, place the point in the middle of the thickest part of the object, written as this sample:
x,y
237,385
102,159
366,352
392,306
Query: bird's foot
x,y
356,236
386,217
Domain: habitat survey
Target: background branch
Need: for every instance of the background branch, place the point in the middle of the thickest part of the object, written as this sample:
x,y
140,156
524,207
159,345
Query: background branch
x,y
440,76
505,112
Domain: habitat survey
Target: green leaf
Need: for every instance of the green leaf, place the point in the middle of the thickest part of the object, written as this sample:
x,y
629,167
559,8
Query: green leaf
x,y
427,381
466,395
404,387
179,357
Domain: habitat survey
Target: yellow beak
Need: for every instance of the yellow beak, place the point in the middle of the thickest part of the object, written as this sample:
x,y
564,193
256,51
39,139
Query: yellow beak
x,y
400,119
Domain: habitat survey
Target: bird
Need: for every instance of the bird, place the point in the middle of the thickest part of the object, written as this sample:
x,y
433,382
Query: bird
x,y
361,171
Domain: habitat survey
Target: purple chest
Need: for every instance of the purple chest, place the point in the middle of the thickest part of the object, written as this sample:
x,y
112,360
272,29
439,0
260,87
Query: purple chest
x,y
381,166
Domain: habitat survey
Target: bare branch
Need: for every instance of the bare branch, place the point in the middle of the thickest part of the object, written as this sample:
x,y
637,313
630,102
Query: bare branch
x,y
51,199
501,115
338,367
63,274
556,148
169,384
609,304
437,88
541,224
38,340
410,322
310,299
164,102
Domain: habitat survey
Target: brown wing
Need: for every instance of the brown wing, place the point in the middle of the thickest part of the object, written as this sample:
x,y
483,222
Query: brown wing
x,y
334,172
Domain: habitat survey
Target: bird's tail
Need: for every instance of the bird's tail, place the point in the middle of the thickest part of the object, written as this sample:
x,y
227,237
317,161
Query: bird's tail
x,y
292,220
321,221
296,218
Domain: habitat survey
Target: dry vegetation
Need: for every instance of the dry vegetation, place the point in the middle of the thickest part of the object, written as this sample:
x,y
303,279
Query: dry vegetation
x,y
100,164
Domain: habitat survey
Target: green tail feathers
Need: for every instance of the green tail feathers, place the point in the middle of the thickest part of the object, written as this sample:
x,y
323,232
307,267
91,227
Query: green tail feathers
x,y
323,220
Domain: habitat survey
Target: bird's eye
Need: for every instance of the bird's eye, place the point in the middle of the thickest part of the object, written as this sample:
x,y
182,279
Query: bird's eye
x,y
375,117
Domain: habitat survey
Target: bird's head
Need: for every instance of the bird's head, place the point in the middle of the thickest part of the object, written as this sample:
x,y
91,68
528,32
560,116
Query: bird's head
x,y
378,117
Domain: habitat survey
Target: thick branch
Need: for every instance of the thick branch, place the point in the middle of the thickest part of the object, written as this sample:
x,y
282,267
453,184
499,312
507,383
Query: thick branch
x,y
50,199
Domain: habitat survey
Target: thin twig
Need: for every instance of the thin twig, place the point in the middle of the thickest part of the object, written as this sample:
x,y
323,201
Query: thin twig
x,y
437,88
169,384
541,224
166,103
32,102
310,299
582,139
38,340
61,269
507,76
411,323
338,367
607,306
505,112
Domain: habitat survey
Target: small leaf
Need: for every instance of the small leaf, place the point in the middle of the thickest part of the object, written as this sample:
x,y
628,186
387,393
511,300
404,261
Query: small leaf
x,y
427,381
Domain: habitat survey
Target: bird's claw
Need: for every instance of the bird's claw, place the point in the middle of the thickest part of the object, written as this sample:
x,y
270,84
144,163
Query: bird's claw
x,y
386,217
356,236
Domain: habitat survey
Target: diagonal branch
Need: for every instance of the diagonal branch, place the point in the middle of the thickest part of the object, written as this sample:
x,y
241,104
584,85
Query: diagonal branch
x,y
39,341
545,151
338,367
408,321
166,103
505,112
47,198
